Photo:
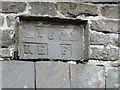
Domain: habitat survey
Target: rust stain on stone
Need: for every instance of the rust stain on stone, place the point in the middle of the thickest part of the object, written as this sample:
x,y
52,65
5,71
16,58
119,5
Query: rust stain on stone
x,y
22,28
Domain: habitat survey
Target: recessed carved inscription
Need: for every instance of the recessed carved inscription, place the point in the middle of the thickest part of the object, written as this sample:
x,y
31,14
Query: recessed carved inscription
x,y
42,39
66,49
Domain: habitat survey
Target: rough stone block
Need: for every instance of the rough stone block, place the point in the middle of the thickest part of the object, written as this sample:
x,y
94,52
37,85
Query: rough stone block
x,y
5,52
6,38
114,39
43,8
112,78
109,11
104,53
17,74
10,20
1,20
52,75
87,76
105,25
70,9
13,7
99,38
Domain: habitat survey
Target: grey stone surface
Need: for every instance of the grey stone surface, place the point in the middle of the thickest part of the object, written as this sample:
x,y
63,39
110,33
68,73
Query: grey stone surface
x,y
110,11
0,6
52,75
6,38
17,74
0,75
43,8
105,25
0,37
1,20
112,78
10,20
104,53
76,9
118,77
52,40
99,38
5,52
13,7
87,76
114,39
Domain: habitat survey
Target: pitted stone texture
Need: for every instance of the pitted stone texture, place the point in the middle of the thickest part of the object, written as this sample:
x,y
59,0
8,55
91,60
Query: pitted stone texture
x,y
105,25
1,20
10,20
104,53
5,52
13,7
112,78
87,76
52,75
114,39
6,38
110,11
43,8
70,9
99,38
17,74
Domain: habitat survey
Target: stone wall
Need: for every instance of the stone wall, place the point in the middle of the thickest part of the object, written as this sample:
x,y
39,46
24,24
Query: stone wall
x,y
99,71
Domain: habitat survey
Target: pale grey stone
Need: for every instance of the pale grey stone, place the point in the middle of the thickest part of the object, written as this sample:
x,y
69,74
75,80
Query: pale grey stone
x,y
99,38
70,9
87,76
110,11
114,39
10,20
52,75
5,52
13,7
6,38
0,6
105,25
0,75
43,8
1,20
103,53
112,78
118,77
18,74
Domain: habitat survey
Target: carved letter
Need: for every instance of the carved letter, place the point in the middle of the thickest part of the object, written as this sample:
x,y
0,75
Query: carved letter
x,y
27,49
42,49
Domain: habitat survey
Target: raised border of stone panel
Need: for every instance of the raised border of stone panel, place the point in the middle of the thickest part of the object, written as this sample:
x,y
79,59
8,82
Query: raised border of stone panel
x,y
35,18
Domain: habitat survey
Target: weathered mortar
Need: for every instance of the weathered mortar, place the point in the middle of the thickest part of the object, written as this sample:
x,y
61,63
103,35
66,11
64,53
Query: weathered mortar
x,y
104,43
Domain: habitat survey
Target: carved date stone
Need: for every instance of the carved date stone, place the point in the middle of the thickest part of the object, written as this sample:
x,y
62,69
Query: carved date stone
x,y
52,38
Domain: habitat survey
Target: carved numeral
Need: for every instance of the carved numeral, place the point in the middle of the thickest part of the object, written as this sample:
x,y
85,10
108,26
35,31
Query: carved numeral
x,y
66,49
40,31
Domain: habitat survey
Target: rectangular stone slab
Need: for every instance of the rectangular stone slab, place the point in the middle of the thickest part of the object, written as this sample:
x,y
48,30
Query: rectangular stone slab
x,y
52,75
18,74
52,38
